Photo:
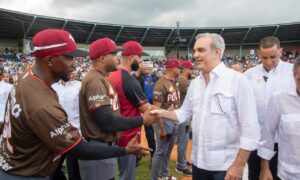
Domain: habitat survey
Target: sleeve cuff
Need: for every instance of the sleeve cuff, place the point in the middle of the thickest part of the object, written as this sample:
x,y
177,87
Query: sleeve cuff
x,y
265,153
248,144
180,116
71,147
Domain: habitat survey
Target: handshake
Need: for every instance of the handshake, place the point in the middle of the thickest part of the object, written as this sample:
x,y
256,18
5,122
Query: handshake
x,y
152,115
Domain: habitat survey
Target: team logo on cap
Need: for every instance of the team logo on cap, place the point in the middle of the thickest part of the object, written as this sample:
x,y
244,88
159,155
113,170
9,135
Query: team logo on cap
x,y
112,41
71,37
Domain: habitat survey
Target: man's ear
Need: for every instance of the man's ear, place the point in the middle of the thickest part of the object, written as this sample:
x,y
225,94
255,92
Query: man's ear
x,y
280,51
218,52
131,58
48,60
101,59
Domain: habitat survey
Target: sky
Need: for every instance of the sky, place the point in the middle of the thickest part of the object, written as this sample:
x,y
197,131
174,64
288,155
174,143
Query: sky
x,y
165,13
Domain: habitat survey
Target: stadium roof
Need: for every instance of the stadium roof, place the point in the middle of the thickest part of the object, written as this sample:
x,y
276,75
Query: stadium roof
x,y
17,25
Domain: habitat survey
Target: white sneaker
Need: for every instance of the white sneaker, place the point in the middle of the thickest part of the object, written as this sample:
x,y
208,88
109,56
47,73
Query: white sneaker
x,y
168,178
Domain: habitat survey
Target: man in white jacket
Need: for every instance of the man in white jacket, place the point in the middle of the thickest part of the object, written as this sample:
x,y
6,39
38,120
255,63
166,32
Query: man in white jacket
x,y
5,88
270,76
283,119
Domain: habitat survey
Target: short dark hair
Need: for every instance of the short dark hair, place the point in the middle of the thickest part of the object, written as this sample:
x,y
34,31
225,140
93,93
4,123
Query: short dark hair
x,y
268,42
296,65
236,62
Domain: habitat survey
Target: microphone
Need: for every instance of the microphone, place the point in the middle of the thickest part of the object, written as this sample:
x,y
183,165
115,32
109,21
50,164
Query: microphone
x,y
265,78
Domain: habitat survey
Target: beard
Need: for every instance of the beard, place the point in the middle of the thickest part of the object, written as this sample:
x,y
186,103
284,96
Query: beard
x,y
111,68
176,74
135,65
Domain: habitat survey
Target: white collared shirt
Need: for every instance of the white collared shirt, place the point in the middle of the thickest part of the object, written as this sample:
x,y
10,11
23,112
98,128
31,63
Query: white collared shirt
x,y
5,89
283,118
224,118
279,78
68,95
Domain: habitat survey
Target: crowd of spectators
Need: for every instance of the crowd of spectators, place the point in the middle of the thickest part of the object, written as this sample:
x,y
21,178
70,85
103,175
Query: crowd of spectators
x,y
14,62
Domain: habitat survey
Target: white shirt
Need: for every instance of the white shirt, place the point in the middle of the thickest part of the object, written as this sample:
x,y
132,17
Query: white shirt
x,y
5,89
279,78
283,118
68,95
224,118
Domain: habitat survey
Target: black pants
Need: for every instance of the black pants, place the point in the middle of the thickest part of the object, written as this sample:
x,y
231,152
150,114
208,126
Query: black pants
x,y
58,173
254,165
150,139
73,168
201,174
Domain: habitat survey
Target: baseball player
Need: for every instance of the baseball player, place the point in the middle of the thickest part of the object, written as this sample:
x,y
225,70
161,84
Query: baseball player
x,y
98,104
167,96
36,131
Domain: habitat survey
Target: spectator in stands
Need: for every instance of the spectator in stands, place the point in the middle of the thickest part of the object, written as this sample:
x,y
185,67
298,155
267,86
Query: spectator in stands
x,y
5,77
160,73
237,66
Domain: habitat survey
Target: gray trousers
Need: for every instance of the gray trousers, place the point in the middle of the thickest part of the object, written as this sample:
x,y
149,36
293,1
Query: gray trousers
x,y
97,169
182,140
5,176
161,157
127,167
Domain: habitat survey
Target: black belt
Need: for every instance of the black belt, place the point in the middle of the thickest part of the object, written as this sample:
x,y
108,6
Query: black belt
x,y
110,143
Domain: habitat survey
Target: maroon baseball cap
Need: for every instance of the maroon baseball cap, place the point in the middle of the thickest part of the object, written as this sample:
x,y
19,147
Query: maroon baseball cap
x,y
172,63
102,47
186,64
133,48
55,42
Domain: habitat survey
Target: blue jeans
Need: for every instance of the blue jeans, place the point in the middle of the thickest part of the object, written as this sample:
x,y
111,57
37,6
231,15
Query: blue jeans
x,y
182,140
161,157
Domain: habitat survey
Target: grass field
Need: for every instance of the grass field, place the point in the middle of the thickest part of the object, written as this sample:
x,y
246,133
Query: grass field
x,y
143,171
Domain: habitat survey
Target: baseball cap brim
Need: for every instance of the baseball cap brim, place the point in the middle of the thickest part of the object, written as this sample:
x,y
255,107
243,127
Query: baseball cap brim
x,y
78,53
117,50
181,66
